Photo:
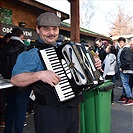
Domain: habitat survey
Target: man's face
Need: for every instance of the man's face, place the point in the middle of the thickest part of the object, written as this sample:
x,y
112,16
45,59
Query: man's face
x,y
122,44
48,34
98,44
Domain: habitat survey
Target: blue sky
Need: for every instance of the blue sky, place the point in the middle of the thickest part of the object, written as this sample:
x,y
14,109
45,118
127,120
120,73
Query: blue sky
x,y
99,24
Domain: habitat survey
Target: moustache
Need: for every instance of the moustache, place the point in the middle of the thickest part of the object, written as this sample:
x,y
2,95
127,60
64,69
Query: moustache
x,y
51,36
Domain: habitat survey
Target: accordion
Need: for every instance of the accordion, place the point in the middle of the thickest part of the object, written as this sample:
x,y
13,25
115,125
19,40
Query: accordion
x,y
75,66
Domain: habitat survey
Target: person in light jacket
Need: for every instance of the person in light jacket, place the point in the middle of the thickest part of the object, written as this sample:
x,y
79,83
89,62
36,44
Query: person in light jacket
x,y
109,66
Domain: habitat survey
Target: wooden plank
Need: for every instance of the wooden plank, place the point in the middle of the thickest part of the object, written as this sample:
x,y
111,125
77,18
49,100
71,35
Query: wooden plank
x,y
74,26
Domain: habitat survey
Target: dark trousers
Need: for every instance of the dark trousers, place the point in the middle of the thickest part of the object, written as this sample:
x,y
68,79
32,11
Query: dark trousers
x,y
2,104
53,119
17,102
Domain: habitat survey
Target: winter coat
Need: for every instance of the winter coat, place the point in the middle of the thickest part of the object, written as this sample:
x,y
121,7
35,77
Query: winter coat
x,y
10,53
126,59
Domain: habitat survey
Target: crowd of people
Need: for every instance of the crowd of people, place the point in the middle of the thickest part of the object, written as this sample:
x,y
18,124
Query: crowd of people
x,y
117,61
22,64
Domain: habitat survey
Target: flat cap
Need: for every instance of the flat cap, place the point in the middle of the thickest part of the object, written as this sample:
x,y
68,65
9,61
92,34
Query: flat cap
x,y
48,19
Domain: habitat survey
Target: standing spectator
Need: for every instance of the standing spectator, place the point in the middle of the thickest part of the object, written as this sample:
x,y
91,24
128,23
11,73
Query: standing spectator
x,y
121,44
109,67
49,114
100,49
17,98
124,65
101,52
3,91
3,44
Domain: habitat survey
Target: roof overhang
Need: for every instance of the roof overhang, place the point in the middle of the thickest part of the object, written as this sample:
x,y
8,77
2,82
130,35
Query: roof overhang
x,y
39,7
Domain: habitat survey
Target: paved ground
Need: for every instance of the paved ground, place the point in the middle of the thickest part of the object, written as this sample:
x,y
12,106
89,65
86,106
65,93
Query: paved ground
x,y
121,118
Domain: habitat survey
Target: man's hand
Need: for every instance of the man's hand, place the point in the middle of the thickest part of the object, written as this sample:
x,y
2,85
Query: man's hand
x,y
49,77
98,64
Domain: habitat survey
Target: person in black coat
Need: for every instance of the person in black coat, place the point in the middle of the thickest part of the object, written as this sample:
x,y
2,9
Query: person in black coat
x,y
17,98
100,49
126,69
3,92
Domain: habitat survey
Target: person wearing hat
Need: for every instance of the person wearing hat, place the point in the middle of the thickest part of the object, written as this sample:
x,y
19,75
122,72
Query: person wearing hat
x,y
50,116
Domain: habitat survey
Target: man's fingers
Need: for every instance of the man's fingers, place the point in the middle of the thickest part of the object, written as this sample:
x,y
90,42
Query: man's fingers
x,y
101,70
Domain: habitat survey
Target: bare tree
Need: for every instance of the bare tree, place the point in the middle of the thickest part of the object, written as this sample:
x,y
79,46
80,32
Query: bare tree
x,y
120,23
87,11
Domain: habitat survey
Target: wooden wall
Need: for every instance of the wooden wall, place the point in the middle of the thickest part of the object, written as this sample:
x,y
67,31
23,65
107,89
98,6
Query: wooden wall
x,y
21,14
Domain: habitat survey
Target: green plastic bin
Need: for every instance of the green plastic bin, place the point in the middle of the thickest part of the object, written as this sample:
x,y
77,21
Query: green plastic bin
x,y
95,111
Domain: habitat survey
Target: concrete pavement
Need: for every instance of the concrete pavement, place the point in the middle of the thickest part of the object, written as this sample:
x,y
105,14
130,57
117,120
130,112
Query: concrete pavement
x,y
122,116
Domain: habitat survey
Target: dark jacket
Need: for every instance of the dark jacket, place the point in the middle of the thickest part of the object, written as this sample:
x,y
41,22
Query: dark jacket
x,y
10,53
102,52
126,59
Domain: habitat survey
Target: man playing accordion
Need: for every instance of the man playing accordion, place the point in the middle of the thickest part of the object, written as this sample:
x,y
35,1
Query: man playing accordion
x,y
49,114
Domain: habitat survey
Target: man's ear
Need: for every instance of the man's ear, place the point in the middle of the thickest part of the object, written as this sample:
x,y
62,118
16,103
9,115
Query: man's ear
x,y
37,30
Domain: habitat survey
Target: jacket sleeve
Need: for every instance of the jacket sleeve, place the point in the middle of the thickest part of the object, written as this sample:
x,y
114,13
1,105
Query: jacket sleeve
x,y
107,62
126,58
